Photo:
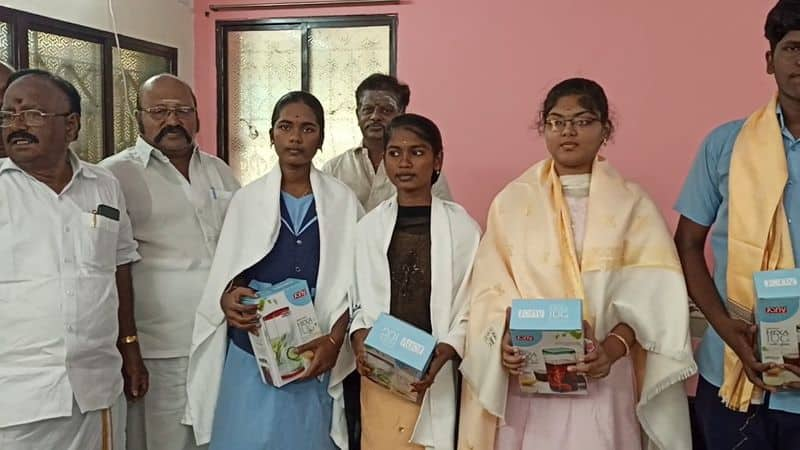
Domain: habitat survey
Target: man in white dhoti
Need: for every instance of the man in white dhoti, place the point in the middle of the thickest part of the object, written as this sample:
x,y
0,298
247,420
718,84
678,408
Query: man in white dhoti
x,y
177,197
66,304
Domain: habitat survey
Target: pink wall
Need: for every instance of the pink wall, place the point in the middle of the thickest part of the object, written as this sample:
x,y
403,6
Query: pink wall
x,y
479,68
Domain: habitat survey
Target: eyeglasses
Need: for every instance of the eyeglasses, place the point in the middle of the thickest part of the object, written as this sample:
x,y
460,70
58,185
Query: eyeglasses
x,y
30,117
579,123
162,112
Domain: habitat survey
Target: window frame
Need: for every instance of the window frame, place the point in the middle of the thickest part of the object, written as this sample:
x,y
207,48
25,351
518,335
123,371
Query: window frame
x,y
304,24
20,23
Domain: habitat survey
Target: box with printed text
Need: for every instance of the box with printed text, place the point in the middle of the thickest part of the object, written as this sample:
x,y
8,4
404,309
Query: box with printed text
x,y
288,320
778,317
549,334
398,354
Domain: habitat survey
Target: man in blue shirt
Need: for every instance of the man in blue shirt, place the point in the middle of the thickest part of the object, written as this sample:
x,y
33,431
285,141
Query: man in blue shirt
x,y
771,421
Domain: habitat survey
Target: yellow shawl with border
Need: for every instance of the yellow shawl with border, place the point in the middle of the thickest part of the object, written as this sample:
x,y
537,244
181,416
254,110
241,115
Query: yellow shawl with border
x,y
629,273
758,232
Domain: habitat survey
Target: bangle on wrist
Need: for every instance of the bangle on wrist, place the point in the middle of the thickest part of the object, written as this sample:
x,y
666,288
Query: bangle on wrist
x,y
624,342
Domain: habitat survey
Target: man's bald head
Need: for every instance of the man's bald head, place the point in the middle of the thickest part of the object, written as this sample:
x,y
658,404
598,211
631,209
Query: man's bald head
x,y
167,114
5,72
164,81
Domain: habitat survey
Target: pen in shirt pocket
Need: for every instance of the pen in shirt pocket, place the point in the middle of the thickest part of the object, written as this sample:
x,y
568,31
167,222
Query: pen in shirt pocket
x,y
213,193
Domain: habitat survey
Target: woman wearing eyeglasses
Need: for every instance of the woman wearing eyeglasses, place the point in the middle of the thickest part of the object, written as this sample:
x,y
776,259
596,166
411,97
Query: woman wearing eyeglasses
x,y
572,227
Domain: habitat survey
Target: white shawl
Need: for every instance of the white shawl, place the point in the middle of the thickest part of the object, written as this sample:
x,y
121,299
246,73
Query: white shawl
x,y
454,242
245,239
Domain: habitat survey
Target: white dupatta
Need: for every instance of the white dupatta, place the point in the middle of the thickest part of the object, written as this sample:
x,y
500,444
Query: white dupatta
x,y
454,242
250,231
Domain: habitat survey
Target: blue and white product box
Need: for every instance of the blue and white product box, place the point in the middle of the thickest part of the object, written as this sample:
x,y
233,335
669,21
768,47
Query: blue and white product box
x,y
777,306
288,320
549,335
398,354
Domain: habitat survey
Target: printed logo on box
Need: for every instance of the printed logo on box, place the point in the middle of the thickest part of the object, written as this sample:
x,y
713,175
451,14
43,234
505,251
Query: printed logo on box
x,y
300,298
531,314
780,282
398,354
549,335
288,320
413,347
389,337
528,339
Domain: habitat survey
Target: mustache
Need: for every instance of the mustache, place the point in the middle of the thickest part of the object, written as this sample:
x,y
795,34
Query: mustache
x,y
173,129
23,135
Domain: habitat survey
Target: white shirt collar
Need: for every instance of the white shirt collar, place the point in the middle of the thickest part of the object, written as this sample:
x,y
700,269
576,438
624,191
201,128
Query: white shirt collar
x,y
145,152
78,166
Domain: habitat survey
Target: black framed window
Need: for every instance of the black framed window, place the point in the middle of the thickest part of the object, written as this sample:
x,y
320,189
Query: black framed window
x,y
5,42
89,59
259,61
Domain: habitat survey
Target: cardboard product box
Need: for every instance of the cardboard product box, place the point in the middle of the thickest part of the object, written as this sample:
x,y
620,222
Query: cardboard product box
x,y
288,320
778,317
398,354
549,333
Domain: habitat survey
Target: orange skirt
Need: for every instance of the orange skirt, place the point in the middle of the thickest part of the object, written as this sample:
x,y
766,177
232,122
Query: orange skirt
x,y
387,421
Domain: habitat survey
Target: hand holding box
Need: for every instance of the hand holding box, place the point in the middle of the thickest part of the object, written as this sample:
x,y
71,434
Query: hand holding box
x,y
398,355
778,317
288,320
549,334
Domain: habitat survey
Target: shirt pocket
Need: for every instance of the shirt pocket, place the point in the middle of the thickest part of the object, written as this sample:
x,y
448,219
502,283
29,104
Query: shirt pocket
x,y
99,236
219,206
221,201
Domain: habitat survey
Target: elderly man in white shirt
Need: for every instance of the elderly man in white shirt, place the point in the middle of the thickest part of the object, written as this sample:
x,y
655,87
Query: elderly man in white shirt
x,y
177,197
379,99
66,306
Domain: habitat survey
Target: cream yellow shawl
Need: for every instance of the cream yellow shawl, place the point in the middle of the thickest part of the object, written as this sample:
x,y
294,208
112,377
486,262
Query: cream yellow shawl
x,y
629,273
758,232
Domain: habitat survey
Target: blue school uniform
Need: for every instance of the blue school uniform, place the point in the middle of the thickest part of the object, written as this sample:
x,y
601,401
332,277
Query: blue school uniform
x,y
252,415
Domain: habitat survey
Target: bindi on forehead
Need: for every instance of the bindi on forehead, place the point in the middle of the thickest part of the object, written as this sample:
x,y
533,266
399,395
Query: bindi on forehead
x,y
296,116
410,141
38,94
297,112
